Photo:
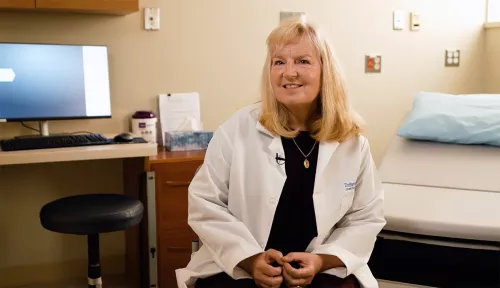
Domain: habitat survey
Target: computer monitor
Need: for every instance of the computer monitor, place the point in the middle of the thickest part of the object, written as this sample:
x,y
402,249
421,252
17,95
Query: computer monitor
x,y
41,82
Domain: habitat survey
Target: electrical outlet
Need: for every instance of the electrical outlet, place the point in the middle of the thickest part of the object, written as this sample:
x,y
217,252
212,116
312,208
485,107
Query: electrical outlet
x,y
452,58
152,18
285,16
373,63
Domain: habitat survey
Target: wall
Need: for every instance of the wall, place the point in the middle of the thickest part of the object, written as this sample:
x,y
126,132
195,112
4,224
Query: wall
x,y
492,69
217,49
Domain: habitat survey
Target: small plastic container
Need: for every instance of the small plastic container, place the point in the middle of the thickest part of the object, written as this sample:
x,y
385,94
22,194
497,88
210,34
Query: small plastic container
x,y
144,125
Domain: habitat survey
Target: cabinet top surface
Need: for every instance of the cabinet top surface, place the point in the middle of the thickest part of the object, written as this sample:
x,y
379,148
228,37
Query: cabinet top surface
x,y
165,156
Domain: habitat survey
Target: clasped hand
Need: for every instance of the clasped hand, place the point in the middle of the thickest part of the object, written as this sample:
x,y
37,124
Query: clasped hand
x,y
270,269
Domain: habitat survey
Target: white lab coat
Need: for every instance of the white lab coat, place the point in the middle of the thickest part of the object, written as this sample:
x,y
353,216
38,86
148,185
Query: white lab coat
x,y
234,195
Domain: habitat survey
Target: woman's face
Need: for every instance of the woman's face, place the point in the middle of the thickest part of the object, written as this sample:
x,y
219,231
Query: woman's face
x,y
296,74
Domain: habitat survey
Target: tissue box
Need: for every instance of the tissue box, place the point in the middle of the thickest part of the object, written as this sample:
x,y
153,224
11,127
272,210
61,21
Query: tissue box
x,y
187,140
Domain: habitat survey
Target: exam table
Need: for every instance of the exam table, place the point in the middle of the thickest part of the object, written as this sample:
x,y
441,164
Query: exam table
x,y
442,206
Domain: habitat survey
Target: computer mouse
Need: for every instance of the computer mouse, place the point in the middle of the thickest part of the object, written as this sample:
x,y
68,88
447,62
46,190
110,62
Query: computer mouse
x,y
124,137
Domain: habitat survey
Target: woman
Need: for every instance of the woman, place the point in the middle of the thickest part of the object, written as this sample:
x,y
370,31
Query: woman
x,y
288,194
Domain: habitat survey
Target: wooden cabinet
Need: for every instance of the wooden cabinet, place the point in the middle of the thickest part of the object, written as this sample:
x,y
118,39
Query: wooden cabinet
x,y
173,174
17,4
94,6
117,7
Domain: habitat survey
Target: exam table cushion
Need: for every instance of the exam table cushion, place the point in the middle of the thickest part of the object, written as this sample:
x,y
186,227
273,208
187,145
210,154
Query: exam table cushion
x,y
460,119
444,190
91,214
442,212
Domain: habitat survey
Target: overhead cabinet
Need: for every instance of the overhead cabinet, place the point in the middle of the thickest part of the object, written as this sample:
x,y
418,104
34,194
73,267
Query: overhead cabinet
x,y
17,4
112,7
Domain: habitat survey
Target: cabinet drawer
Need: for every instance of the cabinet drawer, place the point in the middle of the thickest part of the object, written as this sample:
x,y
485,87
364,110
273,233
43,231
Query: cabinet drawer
x,y
178,238
172,258
172,207
172,182
176,174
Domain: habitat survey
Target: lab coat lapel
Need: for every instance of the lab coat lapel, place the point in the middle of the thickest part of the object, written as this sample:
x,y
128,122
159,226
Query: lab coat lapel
x,y
275,172
325,153
275,148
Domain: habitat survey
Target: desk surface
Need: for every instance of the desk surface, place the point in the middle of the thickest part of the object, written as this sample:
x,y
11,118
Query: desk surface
x,y
78,153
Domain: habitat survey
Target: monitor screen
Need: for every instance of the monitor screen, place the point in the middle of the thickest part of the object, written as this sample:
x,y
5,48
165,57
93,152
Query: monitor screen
x,y
49,82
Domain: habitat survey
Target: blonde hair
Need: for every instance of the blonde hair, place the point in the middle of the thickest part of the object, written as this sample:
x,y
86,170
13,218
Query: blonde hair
x,y
333,119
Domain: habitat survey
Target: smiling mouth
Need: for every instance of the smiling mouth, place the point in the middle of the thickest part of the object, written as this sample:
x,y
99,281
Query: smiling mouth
x,y
292,86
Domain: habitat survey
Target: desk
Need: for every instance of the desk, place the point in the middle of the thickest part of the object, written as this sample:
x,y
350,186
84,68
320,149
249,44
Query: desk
x,y
97,152
135,157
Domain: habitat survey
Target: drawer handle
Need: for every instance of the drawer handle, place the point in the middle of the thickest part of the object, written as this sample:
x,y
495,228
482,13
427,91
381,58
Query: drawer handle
x,y
178,183
179,249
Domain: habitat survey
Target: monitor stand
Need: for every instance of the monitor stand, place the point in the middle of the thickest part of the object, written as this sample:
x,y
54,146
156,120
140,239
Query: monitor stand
x,y
44,131
44,128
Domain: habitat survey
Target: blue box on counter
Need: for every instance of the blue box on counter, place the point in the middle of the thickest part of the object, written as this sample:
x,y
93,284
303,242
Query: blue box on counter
x,y
187,140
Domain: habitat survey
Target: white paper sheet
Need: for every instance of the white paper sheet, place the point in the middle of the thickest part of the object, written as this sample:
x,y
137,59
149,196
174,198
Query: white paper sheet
x,y
179,111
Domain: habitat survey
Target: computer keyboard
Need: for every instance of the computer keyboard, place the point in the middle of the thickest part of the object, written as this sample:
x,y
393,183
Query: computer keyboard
x,y
43,142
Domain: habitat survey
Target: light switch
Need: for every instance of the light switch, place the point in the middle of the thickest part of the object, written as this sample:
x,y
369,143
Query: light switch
x,y
373,63
398,20
414,21
152,18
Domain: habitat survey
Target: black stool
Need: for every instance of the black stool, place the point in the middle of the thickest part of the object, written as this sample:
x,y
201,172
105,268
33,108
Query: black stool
x,y
91,215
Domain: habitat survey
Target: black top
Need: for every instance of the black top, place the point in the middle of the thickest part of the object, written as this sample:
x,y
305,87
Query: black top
x,y
294,224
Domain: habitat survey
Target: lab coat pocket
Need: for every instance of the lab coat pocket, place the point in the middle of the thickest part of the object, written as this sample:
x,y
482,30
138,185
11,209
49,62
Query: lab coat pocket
x,y
346,202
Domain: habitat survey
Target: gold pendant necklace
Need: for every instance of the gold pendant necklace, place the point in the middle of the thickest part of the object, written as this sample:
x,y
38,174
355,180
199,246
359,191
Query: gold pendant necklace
x,y
306,162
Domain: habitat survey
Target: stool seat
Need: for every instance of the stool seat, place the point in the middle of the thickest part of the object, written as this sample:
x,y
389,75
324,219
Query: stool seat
x,y
91,214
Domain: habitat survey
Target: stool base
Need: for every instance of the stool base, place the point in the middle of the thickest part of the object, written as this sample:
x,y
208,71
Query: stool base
x,y
95,283
94,269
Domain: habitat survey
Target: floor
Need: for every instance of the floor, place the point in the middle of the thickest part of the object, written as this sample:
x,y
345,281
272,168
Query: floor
x,y
115,282
107,282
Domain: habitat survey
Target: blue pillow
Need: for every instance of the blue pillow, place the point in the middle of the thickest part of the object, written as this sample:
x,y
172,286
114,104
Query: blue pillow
x,y
457,119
